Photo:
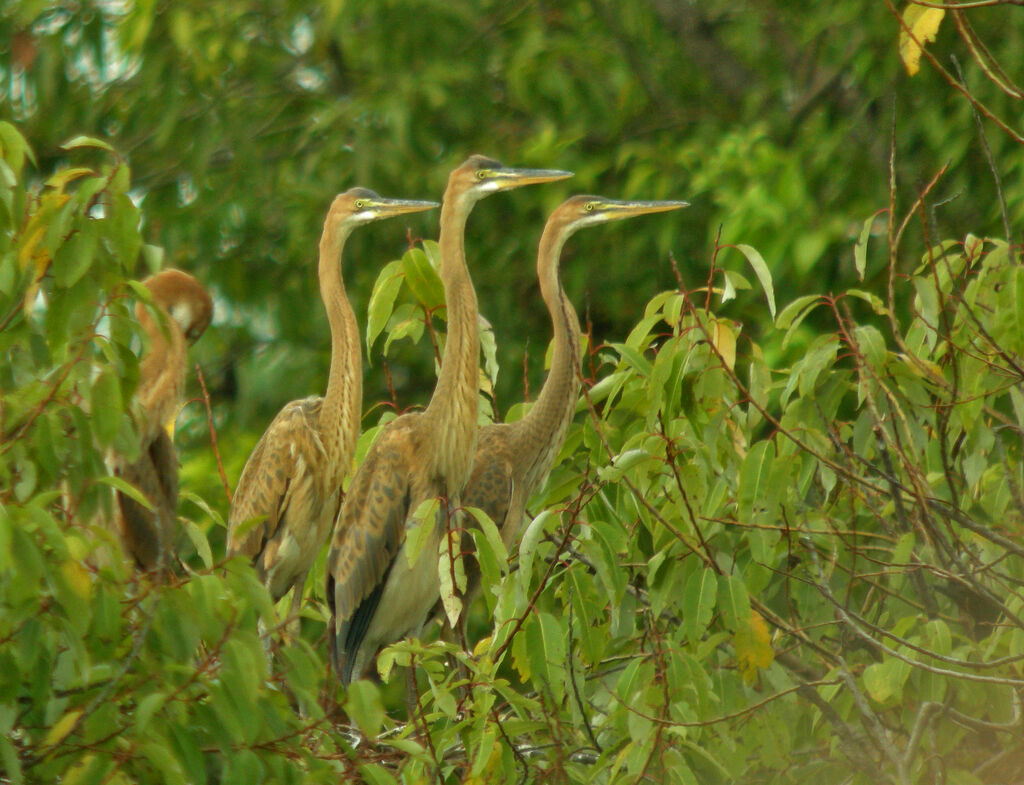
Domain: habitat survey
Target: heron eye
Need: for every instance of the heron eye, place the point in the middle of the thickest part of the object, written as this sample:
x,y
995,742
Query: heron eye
x,y
481,174
589,207
360,204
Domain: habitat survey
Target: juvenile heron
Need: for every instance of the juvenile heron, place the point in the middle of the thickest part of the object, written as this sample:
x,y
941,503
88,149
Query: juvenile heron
x,y
148,535
376,596
512,460
289,492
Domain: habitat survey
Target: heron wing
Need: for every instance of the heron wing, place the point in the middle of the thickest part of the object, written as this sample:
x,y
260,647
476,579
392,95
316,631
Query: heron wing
x,y
155,474
491,488
492,480
367,537
264,490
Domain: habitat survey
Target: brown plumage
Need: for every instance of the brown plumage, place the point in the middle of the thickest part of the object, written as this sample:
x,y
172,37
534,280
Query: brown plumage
x,y
290,489
148,535
375,595
512,460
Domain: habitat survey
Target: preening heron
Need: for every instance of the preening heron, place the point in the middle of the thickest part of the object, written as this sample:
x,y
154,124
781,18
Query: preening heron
x,y
148,535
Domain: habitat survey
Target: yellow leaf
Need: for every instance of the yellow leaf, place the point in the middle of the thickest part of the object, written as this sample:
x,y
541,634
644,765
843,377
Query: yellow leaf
x,y
725,342
452,574
753,647
521,657
60,180
62,727
482,645
28,246
75,774
923,24
77,578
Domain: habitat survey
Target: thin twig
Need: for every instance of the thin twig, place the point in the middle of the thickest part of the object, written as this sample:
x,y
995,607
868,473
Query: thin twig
x,y
213,434
988,155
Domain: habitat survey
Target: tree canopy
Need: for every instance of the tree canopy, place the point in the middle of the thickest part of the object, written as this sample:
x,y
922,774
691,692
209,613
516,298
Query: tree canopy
x,y
784,541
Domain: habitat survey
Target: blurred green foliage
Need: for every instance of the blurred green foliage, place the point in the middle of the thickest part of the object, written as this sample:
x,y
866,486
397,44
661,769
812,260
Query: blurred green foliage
x,y
775,550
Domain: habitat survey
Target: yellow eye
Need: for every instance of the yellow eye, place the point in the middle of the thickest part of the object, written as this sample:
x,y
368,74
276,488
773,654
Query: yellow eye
x,y
481,174
360,204
589,207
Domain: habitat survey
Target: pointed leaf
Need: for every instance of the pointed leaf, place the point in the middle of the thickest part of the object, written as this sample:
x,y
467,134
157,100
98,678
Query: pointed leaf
x,y
920,25
364,706
382,301
527,549
733,601
699,603
761,271
422,279
753,647
86,141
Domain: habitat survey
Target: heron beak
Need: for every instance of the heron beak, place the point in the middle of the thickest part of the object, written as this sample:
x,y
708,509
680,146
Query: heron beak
x,y
389,207
616,209
506,178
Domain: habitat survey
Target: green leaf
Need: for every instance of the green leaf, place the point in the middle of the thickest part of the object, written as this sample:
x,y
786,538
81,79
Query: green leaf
x,y
163,760
375,774
422,279
755,475
407,321
418,533
872,345
1018,277
244,767
363,704
794,313
126,488
860,248
74,258
202,545
884,680
699,603
105,407
761,271
86,141
15,148
483,751
527,550
122,229
634,358
451,572
382,301
622,463
490,531
489,347
215,516
733,601
546,640
876,303
145,710
589,637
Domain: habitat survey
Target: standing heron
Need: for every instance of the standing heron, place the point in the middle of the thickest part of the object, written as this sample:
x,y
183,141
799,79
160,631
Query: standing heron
x,y
186,309
513,459
376,596
290,489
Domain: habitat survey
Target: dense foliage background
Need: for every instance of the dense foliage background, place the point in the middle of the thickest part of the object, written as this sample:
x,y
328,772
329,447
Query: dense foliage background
x,y
785,540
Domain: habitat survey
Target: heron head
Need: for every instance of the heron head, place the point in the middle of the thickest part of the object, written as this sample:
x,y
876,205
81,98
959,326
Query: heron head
x,y
184,298
587,210
361,206
479,176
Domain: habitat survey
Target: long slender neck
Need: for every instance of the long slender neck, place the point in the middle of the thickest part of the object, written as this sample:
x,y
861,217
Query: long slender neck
x,y
540,433
452,411
161,372
342,404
